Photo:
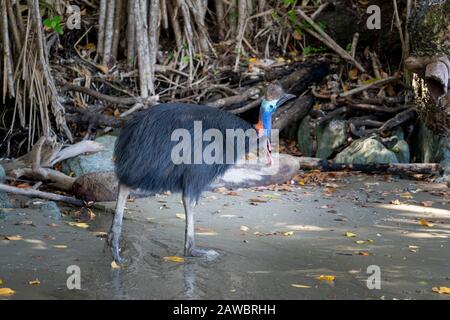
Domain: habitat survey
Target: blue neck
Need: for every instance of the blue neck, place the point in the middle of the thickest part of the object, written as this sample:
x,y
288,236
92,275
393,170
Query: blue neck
x,y
266,119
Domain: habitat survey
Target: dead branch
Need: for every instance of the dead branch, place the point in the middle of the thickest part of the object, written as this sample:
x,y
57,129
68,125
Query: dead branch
x,y
40,194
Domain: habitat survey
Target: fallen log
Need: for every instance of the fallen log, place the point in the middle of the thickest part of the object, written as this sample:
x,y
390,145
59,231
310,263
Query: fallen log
x,y
40,194
408,169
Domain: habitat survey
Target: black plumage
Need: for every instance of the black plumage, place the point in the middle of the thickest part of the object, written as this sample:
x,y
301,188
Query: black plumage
x,y
143,150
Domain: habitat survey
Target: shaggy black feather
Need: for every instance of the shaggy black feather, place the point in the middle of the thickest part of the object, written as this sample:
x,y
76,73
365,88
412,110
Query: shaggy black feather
x,y
143,149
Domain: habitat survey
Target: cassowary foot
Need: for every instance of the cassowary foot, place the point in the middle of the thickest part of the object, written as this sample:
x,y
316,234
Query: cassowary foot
x,y
202,253
114,247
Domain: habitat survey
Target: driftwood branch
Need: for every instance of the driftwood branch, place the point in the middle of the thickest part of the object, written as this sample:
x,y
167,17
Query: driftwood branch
x,y
40,194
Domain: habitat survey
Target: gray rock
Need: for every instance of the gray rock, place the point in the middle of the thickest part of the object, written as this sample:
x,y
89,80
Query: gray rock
x,y
304,138
365,151
4,201
96,162
2,174
330,137
48,208
429,147
401,150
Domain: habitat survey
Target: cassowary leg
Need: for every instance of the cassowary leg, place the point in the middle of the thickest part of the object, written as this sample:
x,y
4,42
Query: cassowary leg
x,y
189,240
116,227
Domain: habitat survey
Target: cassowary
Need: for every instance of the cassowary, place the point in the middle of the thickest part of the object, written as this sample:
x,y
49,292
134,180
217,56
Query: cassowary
x,y
144,155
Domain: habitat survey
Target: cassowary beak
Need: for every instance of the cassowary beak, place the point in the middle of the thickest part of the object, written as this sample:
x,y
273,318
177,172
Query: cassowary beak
x,y
285,98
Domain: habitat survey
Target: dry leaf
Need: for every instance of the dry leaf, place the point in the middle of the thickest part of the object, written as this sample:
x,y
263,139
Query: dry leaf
x,y
181,216
59,246
13,238
114,265
442,290
427,203
244,228
350,234
326,278
360,241
82,225
406,195
35,282
174,259
6,292
288,233
363,253
425,223
300,286
396,202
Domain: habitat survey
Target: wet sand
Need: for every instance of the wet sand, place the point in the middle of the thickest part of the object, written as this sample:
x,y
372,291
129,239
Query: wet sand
x,y
293,235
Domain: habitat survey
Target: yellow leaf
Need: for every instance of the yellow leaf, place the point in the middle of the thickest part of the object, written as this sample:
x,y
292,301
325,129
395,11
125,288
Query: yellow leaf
x,y
360,241
300,286
425,223
181,216
114,265
174,259
350,234
60,246
244,228
34,282
288,233
396,202
406,195
6,292
442,290
78,224
363,253
13,238
326,278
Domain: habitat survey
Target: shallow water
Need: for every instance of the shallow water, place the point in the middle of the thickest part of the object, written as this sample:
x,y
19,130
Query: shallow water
x,y
261,263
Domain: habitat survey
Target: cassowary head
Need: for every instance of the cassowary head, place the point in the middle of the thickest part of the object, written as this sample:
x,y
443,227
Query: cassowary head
x,y
275,97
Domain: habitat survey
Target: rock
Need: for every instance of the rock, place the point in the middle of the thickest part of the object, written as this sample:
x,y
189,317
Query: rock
x,y
365,151
330,137
96,186
96,162
4,201
401,150
48,208
2,174
429,147
304,138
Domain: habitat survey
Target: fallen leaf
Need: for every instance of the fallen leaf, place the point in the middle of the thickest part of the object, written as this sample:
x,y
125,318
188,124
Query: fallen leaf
x,y
6,292
326,278
13,238
82,225
174,259
1,282
350,234
288,233
360,241
425,223
427,203
114,265
59,246
396,202
406,195
35,282
181,216
300,286
244,228
440,290
363,253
